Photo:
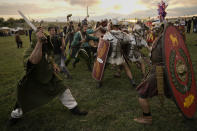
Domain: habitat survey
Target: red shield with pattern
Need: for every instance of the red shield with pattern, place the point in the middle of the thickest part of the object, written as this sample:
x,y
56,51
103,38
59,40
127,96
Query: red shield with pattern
x,y
179,71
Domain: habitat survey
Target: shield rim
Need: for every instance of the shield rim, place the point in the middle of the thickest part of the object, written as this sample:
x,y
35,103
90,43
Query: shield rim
x,y
166,72
103,64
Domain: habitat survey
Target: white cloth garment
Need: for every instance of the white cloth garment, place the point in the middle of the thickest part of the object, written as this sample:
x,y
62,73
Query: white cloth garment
x,y
137,42
17,113
62,62
114,37
66,98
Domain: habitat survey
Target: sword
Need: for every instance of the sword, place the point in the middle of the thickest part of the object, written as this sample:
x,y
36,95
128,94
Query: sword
x,y
27,21
30,24
35,29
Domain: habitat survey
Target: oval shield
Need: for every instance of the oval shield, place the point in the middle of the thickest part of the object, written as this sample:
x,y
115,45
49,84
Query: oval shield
x,y
99,64
179,71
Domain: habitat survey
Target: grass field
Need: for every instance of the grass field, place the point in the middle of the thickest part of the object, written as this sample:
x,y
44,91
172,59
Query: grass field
x,y
111,108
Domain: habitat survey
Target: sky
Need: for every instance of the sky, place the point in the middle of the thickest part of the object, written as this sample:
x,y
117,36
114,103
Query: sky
x,y
52,10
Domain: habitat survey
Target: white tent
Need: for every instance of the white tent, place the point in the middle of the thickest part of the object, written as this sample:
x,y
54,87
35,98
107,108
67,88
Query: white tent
x,y
4,28
19,28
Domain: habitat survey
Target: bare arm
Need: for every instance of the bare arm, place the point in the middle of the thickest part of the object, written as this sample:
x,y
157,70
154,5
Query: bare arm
x,y
36,55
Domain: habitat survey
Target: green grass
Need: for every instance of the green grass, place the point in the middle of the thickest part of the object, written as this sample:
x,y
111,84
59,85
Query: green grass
x,y
111,108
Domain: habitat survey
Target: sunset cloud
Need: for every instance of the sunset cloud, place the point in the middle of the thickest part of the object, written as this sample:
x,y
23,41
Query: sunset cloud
x,y
83,2
53,9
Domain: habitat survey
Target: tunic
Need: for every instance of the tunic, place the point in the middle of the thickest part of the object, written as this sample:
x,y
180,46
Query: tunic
x,y
76,42
18,39
117,39
40,83
148,87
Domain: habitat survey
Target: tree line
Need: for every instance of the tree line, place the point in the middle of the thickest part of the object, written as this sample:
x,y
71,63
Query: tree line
x,y
11,22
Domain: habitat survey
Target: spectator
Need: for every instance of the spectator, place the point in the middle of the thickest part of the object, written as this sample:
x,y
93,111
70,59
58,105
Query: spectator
x,y
30,32
189,22
194,19
18,40
195,25
26,32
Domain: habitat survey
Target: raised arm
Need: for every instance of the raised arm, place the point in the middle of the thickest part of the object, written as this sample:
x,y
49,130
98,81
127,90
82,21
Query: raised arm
x,y
36,54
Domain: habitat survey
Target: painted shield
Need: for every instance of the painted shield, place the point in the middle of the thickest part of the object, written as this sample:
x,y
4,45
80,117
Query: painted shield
x,y
179,71
99,64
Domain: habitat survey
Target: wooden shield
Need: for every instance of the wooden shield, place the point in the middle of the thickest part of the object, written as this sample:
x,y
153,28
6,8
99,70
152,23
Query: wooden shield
x,y
99,64
179,71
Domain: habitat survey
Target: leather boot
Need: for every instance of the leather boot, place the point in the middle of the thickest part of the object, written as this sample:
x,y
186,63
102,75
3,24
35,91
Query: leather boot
x,y
76,111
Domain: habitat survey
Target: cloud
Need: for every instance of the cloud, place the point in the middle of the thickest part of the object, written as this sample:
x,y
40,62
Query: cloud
x,y
95,17
182,3
144,13
171,3
58,8
11,9
117,7
83,2
149,3
179,11
175,8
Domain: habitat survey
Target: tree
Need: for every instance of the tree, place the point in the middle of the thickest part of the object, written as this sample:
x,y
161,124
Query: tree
x,y
2,21
20,21
11,22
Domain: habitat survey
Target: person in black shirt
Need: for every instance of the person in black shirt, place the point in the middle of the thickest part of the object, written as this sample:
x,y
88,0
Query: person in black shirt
x,y
58,47
189,22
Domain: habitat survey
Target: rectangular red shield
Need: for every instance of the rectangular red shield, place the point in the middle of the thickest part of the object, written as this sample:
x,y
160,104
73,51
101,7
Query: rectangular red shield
x,y
99,64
